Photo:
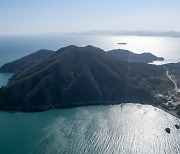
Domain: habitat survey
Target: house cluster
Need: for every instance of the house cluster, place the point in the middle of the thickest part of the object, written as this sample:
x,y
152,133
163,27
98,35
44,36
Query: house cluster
x,y
170,101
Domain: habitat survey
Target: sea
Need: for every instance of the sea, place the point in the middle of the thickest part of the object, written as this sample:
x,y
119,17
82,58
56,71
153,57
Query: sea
x,y
118,129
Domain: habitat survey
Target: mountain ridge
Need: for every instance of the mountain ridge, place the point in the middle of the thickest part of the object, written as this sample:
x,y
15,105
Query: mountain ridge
x,y
76,76
127,55
36,57
26,61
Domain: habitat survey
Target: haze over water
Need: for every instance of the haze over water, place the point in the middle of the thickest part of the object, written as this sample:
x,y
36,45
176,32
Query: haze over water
x,y
12,48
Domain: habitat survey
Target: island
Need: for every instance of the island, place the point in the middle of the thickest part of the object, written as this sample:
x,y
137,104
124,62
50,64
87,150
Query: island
x,y
78,76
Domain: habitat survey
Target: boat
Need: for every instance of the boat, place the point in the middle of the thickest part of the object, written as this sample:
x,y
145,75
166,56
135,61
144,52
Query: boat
x,y
167,130
177,126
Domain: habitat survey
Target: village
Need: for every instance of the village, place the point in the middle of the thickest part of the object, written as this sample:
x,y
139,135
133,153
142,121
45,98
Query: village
x,y
171,101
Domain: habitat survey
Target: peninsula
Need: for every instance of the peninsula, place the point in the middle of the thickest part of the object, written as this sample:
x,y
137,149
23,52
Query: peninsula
x,y
75,76
133,57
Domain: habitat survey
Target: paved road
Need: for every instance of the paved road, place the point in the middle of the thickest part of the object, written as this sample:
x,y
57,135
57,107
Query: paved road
x,y
175,84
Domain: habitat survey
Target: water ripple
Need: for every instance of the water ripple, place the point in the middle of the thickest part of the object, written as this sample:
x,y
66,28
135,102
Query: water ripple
x,y
112,129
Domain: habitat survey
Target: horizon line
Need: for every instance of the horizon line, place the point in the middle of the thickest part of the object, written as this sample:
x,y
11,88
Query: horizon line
x,y
168,33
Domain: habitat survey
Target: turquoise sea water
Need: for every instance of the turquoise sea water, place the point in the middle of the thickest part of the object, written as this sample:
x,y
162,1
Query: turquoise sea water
x,y
129,128
125,128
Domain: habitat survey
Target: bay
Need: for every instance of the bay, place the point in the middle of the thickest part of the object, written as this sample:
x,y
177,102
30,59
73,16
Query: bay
x,y
125,128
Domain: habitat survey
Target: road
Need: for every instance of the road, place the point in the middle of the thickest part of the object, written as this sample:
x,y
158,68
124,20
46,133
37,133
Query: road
x,y
175,84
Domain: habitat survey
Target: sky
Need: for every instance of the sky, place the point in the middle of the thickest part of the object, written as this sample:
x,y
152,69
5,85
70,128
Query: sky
x,y
24,17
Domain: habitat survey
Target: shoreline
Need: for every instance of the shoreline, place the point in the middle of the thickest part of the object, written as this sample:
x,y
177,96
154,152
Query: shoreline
x,y
168,111
76,106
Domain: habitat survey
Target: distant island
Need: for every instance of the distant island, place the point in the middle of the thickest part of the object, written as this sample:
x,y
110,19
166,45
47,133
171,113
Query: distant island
x,y
173,34
75,76
122,43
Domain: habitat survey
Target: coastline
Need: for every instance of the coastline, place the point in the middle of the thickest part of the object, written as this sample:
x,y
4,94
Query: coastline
x,y
168,111
74,105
